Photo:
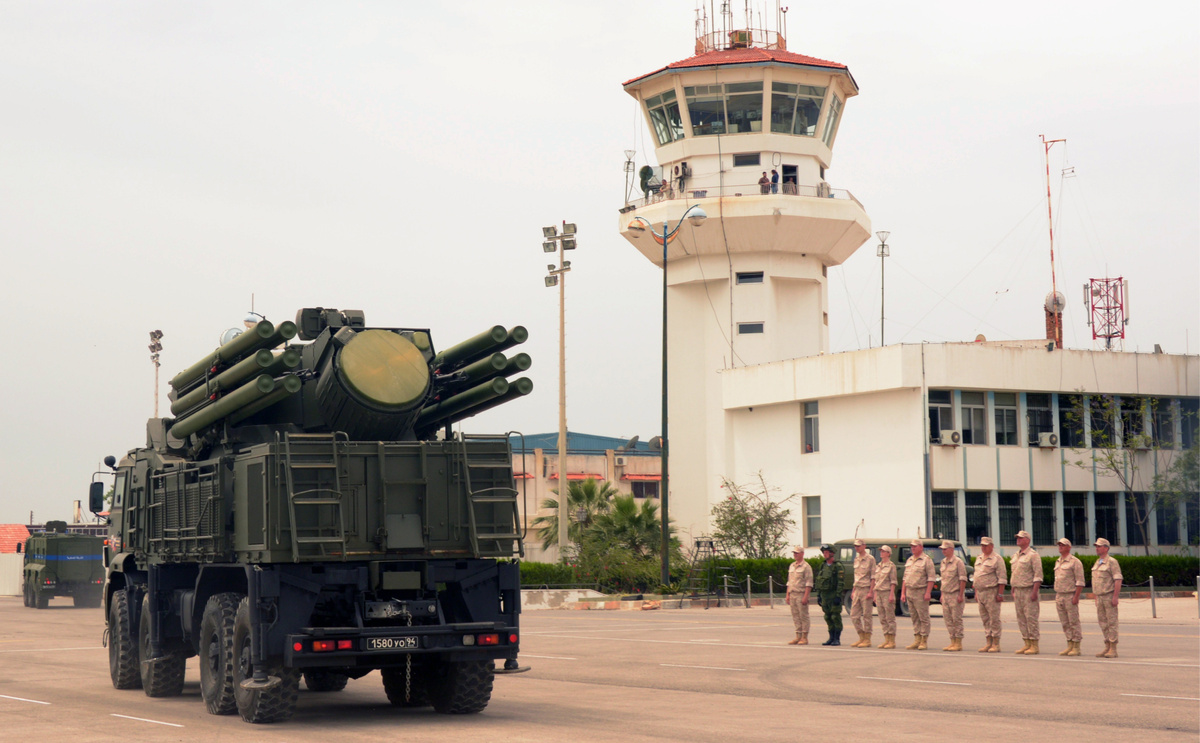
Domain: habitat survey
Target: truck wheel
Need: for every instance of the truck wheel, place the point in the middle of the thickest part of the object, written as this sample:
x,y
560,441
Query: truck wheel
x,y
216,653
122,650
88,600
25,593
848,600
164,676
325,680
901,608
260,706
393,684
40,599
461,688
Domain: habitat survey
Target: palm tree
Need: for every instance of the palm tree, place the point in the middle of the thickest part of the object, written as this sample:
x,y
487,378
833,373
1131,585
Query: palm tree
x,y
630,526
587,497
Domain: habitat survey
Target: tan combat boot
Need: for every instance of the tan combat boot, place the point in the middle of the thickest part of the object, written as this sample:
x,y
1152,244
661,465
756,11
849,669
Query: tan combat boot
x,y
949,647
1074,649
916,643
995,645
1112,650
924,644
1033,648
889,641
803,638
1067,649
866,643
986,648
1104,653
794,641
1022,650
859,643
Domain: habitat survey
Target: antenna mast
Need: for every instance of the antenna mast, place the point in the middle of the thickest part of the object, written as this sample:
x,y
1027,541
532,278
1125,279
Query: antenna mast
x,y
1054,305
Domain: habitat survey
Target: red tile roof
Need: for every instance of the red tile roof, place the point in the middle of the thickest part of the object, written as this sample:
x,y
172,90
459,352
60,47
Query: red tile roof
x,y
10,536
752,55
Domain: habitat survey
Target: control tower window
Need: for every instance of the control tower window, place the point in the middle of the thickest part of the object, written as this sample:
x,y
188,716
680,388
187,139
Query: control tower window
x,y
744,106
831,121
795,108
736,108
664,114
706,105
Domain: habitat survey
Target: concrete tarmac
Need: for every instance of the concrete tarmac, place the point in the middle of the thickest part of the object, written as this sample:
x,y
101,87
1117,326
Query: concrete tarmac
x,y
699,675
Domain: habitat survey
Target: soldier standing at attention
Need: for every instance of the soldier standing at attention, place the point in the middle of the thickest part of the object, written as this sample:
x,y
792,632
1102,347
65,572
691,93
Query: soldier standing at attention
x,y
884,595
860,597
829,592
1026,581
1106,584
990,578
919,575
954,594
799,587
1068,584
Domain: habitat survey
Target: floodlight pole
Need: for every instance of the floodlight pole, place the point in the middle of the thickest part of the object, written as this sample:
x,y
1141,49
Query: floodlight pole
x,y
883,251
564,487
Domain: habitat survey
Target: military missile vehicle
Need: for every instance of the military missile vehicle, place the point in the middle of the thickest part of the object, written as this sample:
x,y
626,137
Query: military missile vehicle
x,y
308,512
62,564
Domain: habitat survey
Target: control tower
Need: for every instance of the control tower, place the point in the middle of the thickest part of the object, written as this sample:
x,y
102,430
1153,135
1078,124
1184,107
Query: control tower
x,y
749,285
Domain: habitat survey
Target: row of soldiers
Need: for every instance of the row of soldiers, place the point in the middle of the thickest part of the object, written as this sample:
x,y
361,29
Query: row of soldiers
x,y
875,584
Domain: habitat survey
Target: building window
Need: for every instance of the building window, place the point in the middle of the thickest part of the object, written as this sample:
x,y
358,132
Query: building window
x,y
812,439
1070,421
1038,415
1167,517
1133,423
1136,519
750,277
644,489
1189,421
725,109
749,327
1192,507
1074,518
795,108
1041,507
978,519
1106,517
1163,413
664,115
1005,405
945,518
1011,520
831,121
812,519
941,414
746,160
1104,411
974,413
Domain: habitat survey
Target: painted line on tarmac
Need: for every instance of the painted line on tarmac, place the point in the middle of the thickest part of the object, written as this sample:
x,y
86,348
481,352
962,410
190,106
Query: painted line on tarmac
x,y
915,681
547,657
1156,696
143,719
19,699
644,629
50,650
706,668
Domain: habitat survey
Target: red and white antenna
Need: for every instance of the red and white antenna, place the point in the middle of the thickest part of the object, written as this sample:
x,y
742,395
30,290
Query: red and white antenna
x,y
1107,301
1053,305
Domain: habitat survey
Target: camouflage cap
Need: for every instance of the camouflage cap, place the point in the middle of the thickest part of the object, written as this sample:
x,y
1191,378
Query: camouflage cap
x,y
947,544
798,548
859,543
1024,534
916,543
1065,541
1102,542
986,540
885,548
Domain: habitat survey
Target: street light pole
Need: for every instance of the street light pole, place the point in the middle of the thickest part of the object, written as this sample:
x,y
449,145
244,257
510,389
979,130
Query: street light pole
x,y
883,252
554,242
155,348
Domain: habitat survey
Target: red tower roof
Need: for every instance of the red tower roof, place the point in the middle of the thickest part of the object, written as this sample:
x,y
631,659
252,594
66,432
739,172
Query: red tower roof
x,y
752,55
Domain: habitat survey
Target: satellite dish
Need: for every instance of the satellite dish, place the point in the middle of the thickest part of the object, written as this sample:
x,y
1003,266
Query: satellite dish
x,y
631,443
1055,302
229,335
655,443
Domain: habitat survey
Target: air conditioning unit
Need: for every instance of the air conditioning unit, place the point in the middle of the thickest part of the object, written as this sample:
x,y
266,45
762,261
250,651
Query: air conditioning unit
x,y
950,438
1048,440
620,461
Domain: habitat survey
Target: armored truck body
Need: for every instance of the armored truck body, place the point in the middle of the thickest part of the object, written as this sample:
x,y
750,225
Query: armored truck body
x,y
61,564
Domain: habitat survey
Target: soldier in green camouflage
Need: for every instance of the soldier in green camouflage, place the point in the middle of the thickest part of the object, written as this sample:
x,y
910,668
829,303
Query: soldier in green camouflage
x,y
829,592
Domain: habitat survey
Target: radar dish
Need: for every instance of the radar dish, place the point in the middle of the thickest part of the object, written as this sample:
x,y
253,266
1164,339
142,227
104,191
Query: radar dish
x,y
229,335
1055,302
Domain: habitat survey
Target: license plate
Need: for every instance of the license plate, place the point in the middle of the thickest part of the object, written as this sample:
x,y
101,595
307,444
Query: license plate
x,y
391,643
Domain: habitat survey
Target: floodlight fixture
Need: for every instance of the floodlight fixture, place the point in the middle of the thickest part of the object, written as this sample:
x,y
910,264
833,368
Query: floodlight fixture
x,y
568,243
566,265
568,228
549,247
550,232
550,266
697,216
552,281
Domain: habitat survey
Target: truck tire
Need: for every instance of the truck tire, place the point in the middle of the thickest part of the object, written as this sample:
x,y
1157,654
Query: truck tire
x,y
25,595
163,678
216,653
393,685
123,664
40,600
325,680
461,688
86,600
260,706
848,600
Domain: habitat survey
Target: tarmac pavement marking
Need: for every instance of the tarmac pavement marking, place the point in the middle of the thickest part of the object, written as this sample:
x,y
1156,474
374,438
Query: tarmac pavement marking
x,y
19,699
915,681
143,719
1156,696
50,650
547,657
706,668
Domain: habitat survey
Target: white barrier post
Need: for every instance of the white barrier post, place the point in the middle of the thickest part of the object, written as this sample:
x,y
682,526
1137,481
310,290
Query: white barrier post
x,y
1153,606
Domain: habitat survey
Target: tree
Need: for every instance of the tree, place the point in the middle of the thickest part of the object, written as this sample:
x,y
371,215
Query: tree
x,y
1180,484
751,520
631,527
587,498
1122,445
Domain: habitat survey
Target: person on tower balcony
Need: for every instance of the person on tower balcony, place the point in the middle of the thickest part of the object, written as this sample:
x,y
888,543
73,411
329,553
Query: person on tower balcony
x,y
764,183
774,180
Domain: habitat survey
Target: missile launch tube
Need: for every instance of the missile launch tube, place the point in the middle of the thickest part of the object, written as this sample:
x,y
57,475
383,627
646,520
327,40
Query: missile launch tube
x,y
516,389
470,349
285,386
263,335
434,414
227,405
261,362
514,337
484,369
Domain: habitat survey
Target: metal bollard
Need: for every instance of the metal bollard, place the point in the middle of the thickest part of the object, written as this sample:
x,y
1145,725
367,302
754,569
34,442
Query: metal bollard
x,y
1153,607
748,594
724,590
771,591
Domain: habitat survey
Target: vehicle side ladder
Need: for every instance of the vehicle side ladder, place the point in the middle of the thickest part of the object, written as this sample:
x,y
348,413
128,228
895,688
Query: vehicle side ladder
x,y
311,472
491,508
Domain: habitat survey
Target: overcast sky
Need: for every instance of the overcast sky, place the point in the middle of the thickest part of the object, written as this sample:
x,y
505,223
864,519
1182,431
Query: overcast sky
x,y
162,162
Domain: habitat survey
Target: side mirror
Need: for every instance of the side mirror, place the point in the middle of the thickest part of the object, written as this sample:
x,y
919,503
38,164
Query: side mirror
x,y
96,497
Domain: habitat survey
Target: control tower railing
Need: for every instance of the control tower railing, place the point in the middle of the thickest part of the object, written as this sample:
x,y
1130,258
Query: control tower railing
x,y
669,192
742,38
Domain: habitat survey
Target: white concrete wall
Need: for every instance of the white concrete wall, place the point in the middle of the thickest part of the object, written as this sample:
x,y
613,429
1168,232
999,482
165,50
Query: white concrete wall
x,y
10,574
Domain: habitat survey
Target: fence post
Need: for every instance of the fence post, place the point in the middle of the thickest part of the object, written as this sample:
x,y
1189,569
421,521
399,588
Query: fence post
x,y
748,589
1153,606
771,591
724,589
